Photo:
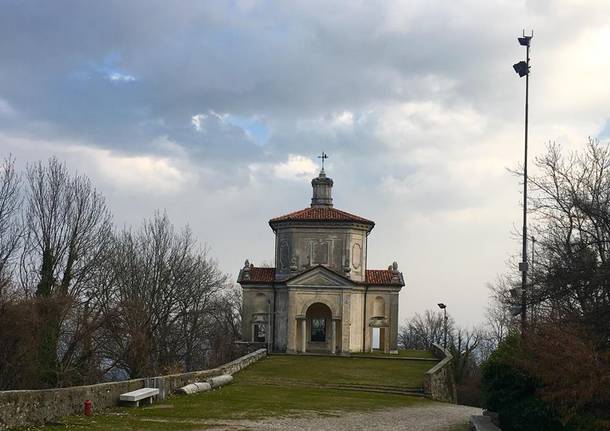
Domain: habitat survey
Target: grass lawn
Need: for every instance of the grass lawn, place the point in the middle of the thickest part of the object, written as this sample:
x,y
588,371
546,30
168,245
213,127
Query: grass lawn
x,y
288,369
462,427
275,386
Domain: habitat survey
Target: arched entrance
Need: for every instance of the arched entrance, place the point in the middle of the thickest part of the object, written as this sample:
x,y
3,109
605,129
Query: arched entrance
x,y
318,332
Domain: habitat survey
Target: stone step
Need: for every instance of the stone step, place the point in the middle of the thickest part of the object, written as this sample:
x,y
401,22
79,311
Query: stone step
x,y
380,387
357,356
416,391
412,393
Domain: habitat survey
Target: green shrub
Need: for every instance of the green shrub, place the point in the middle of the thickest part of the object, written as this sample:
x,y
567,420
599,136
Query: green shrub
x,y
511,392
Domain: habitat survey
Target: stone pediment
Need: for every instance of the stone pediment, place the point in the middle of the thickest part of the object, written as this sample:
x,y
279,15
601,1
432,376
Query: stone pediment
x,y
319,276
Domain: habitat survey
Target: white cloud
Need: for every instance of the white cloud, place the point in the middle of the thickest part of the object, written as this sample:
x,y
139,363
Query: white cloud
x,y
580,70
198,121
126,174
344,118
120,77
296,167
6,109
399,124
330,122
144,173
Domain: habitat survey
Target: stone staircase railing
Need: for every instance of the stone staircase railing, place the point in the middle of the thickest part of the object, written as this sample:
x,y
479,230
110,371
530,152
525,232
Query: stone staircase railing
x,y
439,382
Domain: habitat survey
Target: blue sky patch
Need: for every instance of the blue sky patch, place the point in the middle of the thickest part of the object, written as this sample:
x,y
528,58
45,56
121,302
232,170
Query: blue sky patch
x,y
605,131
254,127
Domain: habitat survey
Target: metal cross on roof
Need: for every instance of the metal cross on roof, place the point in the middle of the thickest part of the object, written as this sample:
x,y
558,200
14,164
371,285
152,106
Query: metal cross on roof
x,y
323,157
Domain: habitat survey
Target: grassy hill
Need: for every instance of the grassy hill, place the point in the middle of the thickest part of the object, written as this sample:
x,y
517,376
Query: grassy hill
x,y
279,385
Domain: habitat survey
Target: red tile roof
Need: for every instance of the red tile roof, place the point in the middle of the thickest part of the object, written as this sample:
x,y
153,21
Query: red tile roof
x,y
321,214
373,276
380,276
260,275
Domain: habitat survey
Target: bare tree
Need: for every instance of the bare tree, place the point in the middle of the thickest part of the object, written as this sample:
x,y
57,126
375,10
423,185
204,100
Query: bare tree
x,y
89,303
10,226
67,232
226,325
421,331
197,304
164,299
570,271
463,347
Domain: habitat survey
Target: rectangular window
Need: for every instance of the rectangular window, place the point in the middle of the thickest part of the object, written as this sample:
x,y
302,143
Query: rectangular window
x,y
318,330
319,251
260,333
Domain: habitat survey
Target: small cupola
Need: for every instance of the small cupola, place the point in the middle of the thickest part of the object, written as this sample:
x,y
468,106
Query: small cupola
x,y
322,191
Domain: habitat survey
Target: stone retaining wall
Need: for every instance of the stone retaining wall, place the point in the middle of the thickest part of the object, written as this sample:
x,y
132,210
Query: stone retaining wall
x,y
439,382
482,423
34,407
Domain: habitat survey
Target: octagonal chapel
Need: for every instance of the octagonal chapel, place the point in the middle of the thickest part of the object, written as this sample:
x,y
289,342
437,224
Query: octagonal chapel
x,y
321,297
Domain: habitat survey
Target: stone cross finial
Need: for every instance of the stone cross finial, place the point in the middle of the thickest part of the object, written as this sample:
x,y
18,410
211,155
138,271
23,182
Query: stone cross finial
x,y
323,157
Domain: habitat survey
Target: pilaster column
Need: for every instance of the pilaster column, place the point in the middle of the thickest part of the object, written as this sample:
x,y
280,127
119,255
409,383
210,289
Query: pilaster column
x,y
292,342
334,337
303,335
386,340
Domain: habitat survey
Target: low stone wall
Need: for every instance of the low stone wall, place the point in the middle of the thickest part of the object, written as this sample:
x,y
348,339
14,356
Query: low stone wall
x,y
244,347
439,382
482,423
34,407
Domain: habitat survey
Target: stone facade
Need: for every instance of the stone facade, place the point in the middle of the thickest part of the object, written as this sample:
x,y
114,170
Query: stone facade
x,y
321,297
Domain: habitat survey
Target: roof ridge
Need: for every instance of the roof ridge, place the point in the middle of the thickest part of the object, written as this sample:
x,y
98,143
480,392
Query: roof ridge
x,y
266,274
321,214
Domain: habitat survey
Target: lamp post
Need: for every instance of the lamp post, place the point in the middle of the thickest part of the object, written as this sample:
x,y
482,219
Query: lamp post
x,y
523,69
444,308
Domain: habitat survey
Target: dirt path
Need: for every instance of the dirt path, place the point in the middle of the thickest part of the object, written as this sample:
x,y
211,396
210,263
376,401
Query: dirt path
x,y
433,417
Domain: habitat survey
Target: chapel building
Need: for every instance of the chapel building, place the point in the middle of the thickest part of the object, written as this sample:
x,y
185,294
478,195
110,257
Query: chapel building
x,y
321,297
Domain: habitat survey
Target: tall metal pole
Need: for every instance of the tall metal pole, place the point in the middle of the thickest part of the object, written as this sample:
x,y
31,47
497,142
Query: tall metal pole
x,y
445,341
524,258
533,255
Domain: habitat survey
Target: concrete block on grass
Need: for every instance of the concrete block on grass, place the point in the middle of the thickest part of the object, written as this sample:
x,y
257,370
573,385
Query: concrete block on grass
x,y
219,381
194,388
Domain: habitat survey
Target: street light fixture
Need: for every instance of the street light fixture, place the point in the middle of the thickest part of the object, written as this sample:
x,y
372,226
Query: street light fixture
x,y
444,308
523,69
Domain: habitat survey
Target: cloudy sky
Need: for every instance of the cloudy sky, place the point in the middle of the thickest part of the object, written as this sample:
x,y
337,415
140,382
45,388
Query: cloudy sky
x,y
215,111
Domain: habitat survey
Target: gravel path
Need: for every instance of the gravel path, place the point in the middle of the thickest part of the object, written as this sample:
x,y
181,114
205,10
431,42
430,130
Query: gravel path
x,y
433,417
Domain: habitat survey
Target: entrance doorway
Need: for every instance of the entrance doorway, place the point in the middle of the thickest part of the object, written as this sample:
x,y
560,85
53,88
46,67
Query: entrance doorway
x,y
318,330
376,338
